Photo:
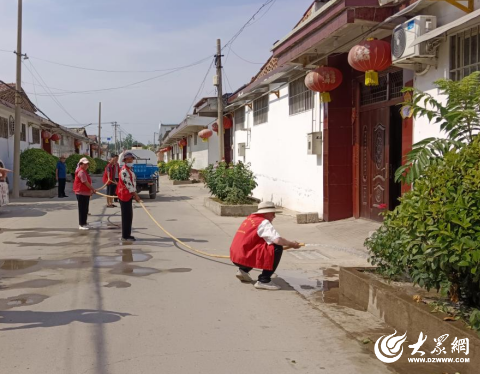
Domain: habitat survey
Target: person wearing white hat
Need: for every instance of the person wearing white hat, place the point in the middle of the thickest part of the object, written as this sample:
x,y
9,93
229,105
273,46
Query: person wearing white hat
x,y
82,186
258,245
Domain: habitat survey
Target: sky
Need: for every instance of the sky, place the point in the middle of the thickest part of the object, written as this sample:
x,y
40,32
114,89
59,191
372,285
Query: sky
x,y
140,36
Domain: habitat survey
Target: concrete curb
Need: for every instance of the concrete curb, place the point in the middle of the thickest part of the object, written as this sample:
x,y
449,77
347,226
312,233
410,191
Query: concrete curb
x,y
229,210
43,194
399,310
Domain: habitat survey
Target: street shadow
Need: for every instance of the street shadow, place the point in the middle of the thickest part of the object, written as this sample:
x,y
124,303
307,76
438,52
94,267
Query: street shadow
x,y
168,199
31,319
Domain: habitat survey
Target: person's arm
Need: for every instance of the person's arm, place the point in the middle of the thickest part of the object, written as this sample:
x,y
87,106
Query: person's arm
x,y
127,181
286,243
268,232
83,178
56,173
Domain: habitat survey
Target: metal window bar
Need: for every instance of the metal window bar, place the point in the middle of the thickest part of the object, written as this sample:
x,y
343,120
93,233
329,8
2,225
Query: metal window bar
x,y
374,94
36,136
300,98
395,85
260,110
465,53
3,128
240,118
23,133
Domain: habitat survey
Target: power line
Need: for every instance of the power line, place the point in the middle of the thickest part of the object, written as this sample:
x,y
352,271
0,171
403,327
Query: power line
x,y
228,82
250,62
47,89
200,89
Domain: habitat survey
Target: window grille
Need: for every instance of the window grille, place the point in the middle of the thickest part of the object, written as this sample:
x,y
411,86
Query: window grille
x,y
464,53
389,87
3,128
260,110
23,133
300,98
240,118
36,136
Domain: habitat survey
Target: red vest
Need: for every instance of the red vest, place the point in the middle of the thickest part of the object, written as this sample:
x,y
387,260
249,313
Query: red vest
x,y
78,186
108,171
122,191
249,249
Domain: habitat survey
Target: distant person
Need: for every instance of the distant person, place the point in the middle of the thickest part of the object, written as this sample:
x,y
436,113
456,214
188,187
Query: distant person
x,y
61,175
258,245
82,186
110,177
127,191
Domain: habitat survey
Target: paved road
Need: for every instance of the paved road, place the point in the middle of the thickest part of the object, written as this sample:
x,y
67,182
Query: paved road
x,y
79,302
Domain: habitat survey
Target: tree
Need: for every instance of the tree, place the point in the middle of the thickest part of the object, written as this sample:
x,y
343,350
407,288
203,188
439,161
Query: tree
x,y
128,142
459,119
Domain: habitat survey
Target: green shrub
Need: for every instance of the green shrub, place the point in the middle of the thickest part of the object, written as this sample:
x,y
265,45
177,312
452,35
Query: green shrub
x,y
38,168
433,236
179,170
232,184
73,160
162,167
100,166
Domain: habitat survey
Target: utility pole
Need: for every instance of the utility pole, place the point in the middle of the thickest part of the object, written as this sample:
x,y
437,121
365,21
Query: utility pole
x,y
18,107
218,83
100,130
114,124
154,140
121,142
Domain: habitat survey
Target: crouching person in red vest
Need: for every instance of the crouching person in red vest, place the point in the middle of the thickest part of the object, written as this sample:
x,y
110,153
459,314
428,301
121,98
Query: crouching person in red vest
x,y
126,192
82,186
258,245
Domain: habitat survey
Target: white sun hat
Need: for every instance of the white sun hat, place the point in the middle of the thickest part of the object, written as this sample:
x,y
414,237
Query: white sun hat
x,y
267,207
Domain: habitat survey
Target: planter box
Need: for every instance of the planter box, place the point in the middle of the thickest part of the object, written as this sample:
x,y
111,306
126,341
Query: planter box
x,y
229,210
398,309
180,183
40,193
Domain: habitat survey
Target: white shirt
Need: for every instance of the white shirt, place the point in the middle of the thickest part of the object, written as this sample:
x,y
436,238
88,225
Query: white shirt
x,y
267,232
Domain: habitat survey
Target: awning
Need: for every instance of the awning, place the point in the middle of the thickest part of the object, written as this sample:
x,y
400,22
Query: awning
x,y
439,31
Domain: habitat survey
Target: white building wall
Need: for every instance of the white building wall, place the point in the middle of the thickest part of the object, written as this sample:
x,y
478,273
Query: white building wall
x,y
7,145
277,151
445,13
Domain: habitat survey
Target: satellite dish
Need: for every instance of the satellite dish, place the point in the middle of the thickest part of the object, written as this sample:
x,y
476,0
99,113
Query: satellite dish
x,y
11,125
399,42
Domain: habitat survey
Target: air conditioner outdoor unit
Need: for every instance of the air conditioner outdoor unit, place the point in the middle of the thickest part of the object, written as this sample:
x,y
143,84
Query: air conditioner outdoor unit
x,y
403,53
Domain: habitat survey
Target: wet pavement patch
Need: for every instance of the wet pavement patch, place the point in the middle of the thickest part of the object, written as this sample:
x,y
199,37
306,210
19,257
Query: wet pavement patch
x,y
16,264
34,283
118,284
21,300
135,271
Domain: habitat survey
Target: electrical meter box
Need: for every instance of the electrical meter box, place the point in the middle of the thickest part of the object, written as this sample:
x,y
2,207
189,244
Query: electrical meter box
x,y
241,149
315,143
215,80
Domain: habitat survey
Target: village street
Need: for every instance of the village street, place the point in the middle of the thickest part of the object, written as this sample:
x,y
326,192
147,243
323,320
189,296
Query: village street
x,y
79,302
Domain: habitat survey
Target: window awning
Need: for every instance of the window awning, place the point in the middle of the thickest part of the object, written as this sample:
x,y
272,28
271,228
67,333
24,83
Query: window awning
x,y
439,31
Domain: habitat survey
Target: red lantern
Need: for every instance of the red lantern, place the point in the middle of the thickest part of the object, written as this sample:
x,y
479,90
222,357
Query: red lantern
x,y
77,143
227,123
371,56
324,79
94,147
46,135
215,127
55,137
182,143
205,134
169,149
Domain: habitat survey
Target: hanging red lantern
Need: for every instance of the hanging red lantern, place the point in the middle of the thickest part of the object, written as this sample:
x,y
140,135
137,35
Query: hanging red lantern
x,y
169,149
77,143
182,143
227,122
94,147
371,56
46,135
55,137
324,79
205,134
215,127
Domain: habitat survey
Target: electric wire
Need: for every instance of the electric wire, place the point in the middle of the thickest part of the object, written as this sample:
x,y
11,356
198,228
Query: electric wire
x,y
46,89
200,89
250,62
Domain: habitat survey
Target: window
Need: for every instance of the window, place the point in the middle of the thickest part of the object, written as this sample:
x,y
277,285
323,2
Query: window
x,y
260,110
300,98
464,53
35,135
240,118
23,133
3,128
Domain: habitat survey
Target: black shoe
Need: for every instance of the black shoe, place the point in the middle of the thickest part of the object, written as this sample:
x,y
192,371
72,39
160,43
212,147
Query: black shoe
x,y
132,238
61,197
65,196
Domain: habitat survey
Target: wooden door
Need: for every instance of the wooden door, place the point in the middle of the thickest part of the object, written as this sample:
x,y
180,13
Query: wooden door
x,y
374,170
227,144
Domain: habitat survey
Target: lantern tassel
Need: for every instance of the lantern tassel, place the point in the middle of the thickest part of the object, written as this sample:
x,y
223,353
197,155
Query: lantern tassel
x,y
371,78
205,140
325,97
46,140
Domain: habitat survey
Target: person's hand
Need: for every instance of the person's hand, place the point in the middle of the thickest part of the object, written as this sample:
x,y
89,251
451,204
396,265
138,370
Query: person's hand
x,y
295,245
137,199
94,191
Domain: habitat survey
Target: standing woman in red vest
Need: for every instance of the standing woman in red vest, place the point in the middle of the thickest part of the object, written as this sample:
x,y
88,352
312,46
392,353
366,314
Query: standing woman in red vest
x,y
126,192
258,245
82,186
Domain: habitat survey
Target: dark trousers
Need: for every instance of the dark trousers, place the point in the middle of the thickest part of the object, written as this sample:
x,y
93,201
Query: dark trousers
x,y
266,275
61,187
112,190
83,203
127,218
